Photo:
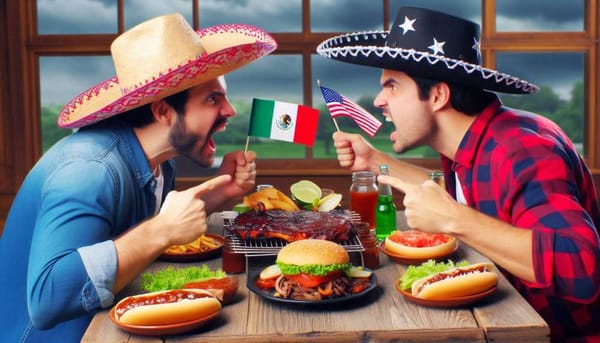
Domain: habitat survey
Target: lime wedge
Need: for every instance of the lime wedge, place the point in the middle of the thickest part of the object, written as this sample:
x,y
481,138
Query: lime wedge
x,y
358,272
306,184
329,202
241,208
306,193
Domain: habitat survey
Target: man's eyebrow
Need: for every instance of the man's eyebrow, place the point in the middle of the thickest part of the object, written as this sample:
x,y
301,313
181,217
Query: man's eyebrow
x,y
216,93
388,82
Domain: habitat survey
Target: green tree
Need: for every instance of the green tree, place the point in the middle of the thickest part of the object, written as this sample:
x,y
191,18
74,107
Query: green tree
x,y
51,133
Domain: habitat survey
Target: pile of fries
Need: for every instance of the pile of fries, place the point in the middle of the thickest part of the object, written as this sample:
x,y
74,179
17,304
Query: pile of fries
x,y
200,244
271,198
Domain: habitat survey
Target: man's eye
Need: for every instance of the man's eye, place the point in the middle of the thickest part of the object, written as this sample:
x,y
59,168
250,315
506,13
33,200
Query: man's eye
x,y
212,100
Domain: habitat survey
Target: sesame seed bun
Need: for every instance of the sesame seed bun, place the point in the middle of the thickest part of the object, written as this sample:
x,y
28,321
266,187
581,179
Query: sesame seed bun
x,y
313,251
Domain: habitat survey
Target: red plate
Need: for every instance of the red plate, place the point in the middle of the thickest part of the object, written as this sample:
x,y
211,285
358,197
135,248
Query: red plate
x,y
452,302
197,256
409,260
161,330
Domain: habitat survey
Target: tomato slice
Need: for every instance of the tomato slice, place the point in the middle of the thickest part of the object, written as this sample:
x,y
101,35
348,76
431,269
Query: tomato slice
x,y
313,281
419,239
266,283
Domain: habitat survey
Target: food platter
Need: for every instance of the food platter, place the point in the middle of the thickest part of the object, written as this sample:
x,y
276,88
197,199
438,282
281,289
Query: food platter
x,y
196,255
451,302
253,274
162,330
409,260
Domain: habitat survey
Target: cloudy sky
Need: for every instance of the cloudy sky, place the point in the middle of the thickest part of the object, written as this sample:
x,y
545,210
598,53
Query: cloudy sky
x,y
278,77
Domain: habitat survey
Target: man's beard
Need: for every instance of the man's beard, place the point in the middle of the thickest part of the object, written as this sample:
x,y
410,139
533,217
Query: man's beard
x,y
184,143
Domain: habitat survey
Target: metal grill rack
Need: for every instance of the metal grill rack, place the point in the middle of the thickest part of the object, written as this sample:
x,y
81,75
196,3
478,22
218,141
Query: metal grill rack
x,y
273,245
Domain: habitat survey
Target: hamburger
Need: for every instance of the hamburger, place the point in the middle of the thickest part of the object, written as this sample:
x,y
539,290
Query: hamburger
x,y
313,269
312,262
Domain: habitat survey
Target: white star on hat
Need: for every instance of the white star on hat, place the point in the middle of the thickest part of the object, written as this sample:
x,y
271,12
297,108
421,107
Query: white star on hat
x,y
407,25
476,46
437,47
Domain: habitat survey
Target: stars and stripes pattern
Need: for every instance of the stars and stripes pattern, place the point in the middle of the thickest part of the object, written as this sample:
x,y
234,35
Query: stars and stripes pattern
x,y
339,105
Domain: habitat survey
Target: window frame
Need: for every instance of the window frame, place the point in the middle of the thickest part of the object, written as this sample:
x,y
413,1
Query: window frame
x,y
29,46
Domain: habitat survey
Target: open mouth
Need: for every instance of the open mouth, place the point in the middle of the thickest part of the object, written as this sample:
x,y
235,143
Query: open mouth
x,y
219,126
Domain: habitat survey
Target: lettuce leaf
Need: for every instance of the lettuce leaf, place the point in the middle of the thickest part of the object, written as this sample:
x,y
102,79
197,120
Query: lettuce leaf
x,y
429,267
312,269
175,278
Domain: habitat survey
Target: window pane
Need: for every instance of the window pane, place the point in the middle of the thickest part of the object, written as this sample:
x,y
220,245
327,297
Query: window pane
x,y
468,9
560,77
270,15
346,15
64,17
137,11
61,79
539,15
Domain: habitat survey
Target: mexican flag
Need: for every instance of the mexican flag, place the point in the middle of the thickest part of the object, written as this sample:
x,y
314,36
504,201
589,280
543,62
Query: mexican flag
x,y
283,121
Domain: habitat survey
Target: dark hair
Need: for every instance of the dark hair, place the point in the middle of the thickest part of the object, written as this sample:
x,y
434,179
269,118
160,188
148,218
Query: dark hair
x,y
142,116
468,100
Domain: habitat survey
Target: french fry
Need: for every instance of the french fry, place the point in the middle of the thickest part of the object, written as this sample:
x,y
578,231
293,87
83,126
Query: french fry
x,y
200,244
291,204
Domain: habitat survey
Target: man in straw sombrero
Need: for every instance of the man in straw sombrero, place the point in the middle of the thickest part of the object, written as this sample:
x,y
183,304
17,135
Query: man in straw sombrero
x,y
100,206
516,188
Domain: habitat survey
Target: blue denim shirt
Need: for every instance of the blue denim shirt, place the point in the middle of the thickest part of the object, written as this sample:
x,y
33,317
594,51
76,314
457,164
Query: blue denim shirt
x,y
57,258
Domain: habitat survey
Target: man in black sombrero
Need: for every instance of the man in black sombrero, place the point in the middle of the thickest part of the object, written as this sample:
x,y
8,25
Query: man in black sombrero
x,y
100,205
516,188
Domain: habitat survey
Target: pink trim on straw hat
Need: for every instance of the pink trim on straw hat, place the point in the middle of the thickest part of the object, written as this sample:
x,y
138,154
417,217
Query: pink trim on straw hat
x,y
223,48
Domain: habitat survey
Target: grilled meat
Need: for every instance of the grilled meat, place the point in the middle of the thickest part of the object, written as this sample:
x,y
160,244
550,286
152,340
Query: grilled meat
x,y
293,225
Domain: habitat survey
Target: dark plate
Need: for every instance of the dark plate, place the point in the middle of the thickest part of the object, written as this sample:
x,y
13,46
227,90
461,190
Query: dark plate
x,y
253,274
161,330
197,256
451,302
409,260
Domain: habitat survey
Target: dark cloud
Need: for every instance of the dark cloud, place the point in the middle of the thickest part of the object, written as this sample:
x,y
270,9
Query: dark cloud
x,y
349,15
550,11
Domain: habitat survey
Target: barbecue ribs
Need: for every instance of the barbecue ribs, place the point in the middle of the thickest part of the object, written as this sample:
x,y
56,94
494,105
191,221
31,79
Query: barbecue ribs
x,y
293,225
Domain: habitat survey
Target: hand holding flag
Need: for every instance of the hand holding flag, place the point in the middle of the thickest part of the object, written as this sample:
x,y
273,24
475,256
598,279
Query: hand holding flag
x,y
283,121
339,105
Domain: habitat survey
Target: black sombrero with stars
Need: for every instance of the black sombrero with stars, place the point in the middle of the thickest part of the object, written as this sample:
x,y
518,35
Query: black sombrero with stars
x,y
427,44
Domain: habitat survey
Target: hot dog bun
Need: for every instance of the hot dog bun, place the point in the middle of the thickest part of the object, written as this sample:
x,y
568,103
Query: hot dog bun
x,y
166,307
423,248
456,282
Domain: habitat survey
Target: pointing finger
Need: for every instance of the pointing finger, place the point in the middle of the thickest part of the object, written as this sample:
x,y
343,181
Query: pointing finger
x,y
209,185
396,183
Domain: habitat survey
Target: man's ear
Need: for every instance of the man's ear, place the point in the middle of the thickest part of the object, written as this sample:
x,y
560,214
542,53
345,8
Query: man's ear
x,y
162,111
439,96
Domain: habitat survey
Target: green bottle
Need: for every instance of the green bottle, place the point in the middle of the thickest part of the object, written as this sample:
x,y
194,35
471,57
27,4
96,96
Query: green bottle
x,y
385,212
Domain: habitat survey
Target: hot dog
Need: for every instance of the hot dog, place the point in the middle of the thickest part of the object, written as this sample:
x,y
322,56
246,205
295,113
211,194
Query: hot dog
x,y
418,245
166,307
456,282
228,285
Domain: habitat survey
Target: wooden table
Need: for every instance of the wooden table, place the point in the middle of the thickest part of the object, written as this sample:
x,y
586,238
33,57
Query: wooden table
x,y
383,315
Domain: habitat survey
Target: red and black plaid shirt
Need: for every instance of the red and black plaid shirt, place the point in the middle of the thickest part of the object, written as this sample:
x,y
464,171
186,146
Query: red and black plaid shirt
x,y
522,169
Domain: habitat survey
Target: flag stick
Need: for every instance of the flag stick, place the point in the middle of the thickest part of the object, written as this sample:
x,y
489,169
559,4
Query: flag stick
x,y
332,118
247,142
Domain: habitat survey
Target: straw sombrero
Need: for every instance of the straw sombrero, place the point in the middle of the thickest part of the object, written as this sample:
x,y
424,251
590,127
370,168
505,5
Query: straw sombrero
x,y
163,56
427,44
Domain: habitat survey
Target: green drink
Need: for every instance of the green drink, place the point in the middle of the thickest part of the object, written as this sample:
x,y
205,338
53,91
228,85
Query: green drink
x,y
385,211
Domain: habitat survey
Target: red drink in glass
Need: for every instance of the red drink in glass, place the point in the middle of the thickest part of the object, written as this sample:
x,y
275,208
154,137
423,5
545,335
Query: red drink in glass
x,y
364,203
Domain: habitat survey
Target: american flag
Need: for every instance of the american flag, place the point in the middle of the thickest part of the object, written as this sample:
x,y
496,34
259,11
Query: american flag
x,y
339,105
